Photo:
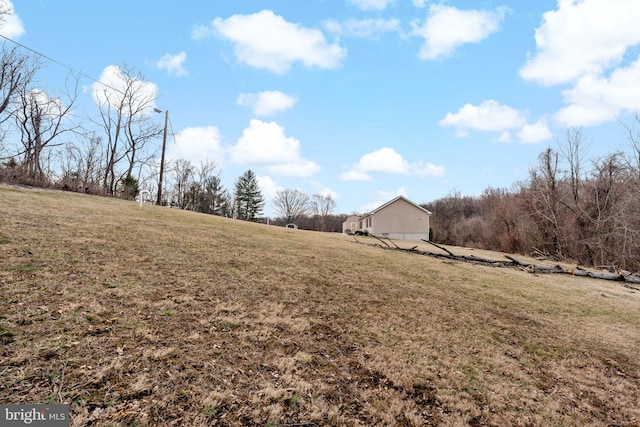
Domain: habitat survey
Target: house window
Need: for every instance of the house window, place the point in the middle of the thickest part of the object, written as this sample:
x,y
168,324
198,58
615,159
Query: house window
x,y
369,222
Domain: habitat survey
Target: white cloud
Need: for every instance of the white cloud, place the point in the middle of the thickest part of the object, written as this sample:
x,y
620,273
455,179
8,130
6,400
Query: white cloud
x,y
422,169
383,197
200,32
446,28
268,187
50,108
266,103
174,64
461,133
196,144
588,44
355,175
491,116
362,28
597,99
535,133
265,40
266,144
300,168
12,25
582,38
371,4
324,190
112,85
387,160
488,116
505,137
420,3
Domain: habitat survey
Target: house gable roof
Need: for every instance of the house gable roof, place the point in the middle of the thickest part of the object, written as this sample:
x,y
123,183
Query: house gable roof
x,y
390,202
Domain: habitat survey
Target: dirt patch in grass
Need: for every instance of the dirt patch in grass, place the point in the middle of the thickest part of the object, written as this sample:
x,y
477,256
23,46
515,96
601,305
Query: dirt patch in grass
x,y
155,316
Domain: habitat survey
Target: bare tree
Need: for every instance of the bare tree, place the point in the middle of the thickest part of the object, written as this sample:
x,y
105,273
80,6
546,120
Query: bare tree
x,y
546,199
633,137
502,223
214,198
608,237
448,212
80,164
291,204
125,113
16,73
42,119
182,172
322,206
573,151
5,9
626,224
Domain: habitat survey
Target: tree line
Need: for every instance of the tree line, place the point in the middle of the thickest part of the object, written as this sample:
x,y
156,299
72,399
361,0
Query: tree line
x,y
570,207
112,150
199,188
46,141
314,212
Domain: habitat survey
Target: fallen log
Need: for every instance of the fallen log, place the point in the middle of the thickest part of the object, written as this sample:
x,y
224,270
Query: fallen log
x,y
466,258
442,248
385,243
628,278
512,262
532,268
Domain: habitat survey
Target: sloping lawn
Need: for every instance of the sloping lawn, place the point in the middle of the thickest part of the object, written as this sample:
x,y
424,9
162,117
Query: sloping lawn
x,y
153,316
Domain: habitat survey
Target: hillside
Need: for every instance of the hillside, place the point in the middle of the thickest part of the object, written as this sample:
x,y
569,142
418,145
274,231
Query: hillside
x,y
153,316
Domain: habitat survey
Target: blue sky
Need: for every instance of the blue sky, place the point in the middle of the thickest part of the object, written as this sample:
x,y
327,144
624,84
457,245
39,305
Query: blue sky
x,y
360,99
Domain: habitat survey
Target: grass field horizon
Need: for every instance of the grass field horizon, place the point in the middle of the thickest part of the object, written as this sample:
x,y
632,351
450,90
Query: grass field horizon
x,y
155,316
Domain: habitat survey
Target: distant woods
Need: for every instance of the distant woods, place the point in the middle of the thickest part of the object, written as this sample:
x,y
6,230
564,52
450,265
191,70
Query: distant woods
x,y
570,207
316,212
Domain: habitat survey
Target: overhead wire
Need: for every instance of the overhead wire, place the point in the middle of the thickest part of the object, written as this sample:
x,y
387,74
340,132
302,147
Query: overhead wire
x,y
78,72
173,138
68,67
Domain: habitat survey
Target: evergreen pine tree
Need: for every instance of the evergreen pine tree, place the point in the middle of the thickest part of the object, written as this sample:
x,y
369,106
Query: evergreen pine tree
x,y
249,201
215,198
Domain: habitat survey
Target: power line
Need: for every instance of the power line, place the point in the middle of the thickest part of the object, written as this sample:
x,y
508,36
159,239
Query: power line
x,y
68,67
173,138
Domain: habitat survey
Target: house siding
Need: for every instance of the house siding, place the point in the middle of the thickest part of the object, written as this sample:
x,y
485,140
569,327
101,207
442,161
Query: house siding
x,y
351,224
367,224
398,219
401,220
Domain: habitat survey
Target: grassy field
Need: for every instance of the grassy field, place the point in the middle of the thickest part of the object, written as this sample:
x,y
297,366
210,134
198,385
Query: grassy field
x,y
153,316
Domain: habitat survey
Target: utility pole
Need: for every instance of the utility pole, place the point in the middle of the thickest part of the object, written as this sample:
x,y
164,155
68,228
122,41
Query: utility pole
x,y
164,146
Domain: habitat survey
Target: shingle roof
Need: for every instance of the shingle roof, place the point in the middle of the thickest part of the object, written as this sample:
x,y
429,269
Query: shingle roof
x,y
394,200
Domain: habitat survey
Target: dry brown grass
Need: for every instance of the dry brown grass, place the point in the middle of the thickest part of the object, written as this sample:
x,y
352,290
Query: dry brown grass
x,y
156,316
